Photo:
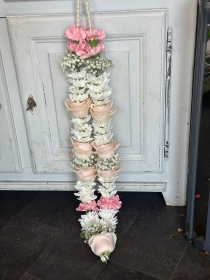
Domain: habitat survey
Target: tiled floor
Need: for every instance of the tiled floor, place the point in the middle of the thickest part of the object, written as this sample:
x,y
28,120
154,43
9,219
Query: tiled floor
x,y
39,234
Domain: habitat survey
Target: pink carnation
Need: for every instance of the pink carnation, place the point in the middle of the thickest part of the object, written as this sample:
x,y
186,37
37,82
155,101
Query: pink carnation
x,y
75,33
97,34
87,206
83,49
91,52
111,203
71,46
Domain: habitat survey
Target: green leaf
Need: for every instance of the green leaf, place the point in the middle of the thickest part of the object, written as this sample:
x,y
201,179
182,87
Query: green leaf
x,y
82,235
93,43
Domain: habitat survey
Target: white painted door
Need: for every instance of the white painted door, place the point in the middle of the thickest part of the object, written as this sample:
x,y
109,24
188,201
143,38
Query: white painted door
x,y
136,41
137,82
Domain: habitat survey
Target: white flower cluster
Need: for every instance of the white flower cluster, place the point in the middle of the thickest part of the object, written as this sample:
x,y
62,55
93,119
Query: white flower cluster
x,y
94,223
81,121
99,89
101,139
71,63
101,127
78,90
109,163
90,223
98,65
107,189
82,132
85,191
108,219
75,162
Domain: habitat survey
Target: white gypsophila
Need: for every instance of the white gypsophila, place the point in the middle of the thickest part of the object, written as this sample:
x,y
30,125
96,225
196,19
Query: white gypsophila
x,y
102,127
107,226
107,189
90,220
101,139
109,163
80,185
86,194
83,162
98,80
80,121
77,75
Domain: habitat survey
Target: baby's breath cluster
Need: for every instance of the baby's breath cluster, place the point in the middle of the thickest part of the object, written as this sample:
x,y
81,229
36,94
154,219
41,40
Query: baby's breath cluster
x,y
75,162
96,66
109,163
72,62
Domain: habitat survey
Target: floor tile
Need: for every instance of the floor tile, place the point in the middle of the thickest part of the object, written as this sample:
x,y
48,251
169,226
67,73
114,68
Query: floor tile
x,y
28,277
21,243
55,209
113,271
194,265
152,244
134,201
12,202
67,258
125,220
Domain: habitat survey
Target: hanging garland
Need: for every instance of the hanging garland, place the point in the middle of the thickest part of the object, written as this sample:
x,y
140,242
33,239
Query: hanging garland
x,y
93,152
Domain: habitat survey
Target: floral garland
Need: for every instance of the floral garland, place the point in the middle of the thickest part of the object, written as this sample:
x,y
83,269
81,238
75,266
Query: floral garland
x,y
93,152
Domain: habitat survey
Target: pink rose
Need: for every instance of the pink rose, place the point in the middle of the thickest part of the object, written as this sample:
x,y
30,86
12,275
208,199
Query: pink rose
x,y
81,155
91,52
106,150
87,206
111,173
112,202
78,109
71,46
85,147
83,49
85,174
103,244
97,34
81,150
102,113
75,33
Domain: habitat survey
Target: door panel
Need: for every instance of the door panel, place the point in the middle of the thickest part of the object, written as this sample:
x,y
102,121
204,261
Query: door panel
x,y
9,153
138,50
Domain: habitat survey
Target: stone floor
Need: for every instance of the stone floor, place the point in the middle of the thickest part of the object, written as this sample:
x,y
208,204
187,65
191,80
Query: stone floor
x,y
39,234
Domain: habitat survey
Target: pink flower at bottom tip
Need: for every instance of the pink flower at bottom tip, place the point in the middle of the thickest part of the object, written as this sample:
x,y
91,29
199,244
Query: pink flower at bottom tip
x,y
111,203
83,206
